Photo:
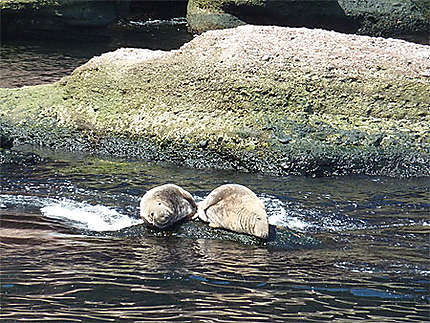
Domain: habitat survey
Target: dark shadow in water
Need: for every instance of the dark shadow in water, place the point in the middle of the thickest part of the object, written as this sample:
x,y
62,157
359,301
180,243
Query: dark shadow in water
x,y
309,14
33,61
323,14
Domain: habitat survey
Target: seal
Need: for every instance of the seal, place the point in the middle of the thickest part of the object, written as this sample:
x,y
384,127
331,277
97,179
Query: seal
x,y
236,208
164,205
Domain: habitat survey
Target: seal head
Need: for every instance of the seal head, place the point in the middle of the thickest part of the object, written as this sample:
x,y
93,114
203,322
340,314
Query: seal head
x,y
159,215
165,205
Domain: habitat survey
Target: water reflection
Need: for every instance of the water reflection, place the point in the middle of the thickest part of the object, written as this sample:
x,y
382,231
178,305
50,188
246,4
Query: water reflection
x,y
192,280
375,268
27,62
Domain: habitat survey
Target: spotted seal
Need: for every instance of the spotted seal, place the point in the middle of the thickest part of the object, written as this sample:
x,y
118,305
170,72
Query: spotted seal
x,y
236,208
164,205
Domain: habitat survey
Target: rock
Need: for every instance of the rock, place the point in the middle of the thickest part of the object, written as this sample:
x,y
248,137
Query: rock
x,y
203,143
279,239
17,158
325,91
5,142
205,15
368,17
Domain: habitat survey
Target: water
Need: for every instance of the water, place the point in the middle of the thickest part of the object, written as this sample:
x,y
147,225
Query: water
x,y
31,62
74,249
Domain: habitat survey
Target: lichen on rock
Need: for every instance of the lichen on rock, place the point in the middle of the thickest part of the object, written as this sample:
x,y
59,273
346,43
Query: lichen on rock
x,y
267,99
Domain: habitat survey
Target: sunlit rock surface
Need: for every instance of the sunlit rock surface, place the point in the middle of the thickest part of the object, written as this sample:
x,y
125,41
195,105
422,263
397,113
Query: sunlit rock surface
x,y
265,99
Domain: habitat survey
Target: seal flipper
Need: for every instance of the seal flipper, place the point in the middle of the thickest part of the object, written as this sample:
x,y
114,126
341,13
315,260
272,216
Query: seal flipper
x,y
201,214
210,201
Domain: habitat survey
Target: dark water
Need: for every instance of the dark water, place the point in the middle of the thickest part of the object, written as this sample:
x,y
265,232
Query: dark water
x,y
65,257
32,62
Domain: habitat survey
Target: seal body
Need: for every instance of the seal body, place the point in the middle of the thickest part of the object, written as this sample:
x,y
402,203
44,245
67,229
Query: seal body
x,y
236,208
164,205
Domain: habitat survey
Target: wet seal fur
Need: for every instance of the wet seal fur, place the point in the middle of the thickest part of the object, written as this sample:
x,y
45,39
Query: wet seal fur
x,y
236,208
165,205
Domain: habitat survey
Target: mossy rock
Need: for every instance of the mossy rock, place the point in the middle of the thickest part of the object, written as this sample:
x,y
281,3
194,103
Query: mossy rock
x,y
262,99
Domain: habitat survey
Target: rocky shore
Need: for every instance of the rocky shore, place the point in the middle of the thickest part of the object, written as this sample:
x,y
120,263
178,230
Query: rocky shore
x,y
89,21
387,18
267,99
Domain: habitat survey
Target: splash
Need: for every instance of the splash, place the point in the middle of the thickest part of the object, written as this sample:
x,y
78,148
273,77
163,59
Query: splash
x,y
279,216
296,217
23,201
80,215
85,216
156,22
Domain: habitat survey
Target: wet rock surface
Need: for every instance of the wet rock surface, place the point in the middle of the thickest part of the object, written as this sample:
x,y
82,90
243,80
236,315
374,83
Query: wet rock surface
x,y
6,142
280,238
8,156
17,158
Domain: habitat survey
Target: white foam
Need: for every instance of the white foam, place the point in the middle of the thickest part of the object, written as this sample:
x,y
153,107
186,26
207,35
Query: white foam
x,y
290,222
85,216
296,224
157,22
278,215
23,201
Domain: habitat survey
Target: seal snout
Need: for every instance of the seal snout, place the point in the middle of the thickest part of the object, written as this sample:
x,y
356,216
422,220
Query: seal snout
x,y
261,226
162,219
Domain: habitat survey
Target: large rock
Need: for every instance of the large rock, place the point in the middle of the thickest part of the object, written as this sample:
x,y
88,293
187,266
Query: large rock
x,y
369,17
266,99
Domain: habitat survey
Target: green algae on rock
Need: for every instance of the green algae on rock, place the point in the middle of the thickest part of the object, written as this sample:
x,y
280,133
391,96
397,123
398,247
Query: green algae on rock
x,y
266,99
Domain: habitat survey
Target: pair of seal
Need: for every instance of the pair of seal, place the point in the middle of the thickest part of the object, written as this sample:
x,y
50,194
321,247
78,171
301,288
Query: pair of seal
x,y
164,205
231,206
236,208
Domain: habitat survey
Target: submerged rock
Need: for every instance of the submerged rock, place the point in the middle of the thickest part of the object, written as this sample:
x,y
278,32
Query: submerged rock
x,y
18,158
12,157
279,238
6,142
261,99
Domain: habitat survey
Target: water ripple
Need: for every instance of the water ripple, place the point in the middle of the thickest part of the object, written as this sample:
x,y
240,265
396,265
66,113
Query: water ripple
x,y
58,264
